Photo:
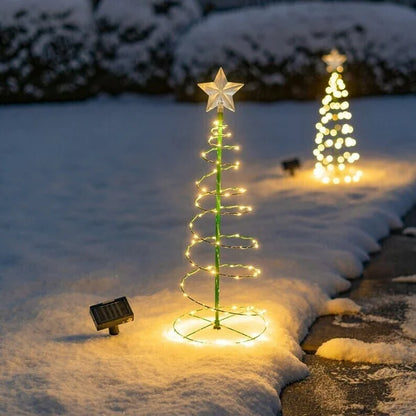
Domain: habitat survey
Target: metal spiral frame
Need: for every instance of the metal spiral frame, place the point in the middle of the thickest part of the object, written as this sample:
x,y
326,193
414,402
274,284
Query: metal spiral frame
x,y
196,325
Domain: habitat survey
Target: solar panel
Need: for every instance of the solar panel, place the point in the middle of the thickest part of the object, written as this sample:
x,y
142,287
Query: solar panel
x,y
111,313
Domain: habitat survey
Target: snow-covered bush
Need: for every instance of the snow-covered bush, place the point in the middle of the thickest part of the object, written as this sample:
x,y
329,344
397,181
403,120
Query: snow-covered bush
x,y
276,50
136,39
211,5
46,49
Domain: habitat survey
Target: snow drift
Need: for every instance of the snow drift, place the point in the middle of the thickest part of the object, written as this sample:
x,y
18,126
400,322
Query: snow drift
x,y
368,352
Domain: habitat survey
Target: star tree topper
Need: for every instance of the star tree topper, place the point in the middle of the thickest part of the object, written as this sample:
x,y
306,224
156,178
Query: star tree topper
x,y
334,60
220,92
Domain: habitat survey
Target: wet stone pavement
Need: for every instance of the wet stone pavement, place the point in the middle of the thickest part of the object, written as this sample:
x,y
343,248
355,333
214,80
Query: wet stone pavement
x,y
349,389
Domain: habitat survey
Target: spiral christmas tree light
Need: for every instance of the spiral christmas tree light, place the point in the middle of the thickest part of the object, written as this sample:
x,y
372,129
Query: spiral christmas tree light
x,y
334,144
215,323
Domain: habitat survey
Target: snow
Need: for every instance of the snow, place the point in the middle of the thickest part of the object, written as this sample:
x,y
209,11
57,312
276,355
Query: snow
x,y
340,306
409,325
59,50
377,318
48,49
276,49
211,5
402,397
338,321
16,9
405,279
136,40
410,231
94,201
402,385
354,350
364,317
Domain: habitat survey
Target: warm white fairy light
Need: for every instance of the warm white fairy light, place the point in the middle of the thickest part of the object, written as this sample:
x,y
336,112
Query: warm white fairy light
x,y
335,164
236,210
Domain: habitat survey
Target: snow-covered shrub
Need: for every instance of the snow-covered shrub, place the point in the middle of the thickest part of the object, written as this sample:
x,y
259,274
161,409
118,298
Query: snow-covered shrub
x,y
211,5
276,50
46,49
136,39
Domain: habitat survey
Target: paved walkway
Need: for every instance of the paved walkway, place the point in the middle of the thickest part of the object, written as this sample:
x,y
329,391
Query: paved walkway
x,y
344,388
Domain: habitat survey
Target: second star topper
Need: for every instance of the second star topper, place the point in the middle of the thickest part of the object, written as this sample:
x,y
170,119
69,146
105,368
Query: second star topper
x,y
334,60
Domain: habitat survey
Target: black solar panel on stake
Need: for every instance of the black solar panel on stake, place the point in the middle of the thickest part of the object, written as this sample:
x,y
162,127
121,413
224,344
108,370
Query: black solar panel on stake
x,y
111,314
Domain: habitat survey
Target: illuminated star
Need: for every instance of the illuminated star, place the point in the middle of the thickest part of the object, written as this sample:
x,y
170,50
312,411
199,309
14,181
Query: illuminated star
x,y
220,92
334,60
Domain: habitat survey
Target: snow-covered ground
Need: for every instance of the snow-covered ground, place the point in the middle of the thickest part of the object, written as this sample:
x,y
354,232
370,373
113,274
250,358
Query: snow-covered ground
x,y
94,202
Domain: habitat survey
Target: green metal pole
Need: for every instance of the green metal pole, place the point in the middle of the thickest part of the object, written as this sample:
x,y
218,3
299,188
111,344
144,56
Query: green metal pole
x,y
220,116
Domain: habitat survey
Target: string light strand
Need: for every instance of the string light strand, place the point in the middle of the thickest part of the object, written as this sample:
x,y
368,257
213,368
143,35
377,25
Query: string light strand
x,y
335,145
216,316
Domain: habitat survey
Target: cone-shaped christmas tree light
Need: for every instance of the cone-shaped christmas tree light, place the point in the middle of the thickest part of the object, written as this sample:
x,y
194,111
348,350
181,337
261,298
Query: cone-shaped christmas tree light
x,y
335,146
214,322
